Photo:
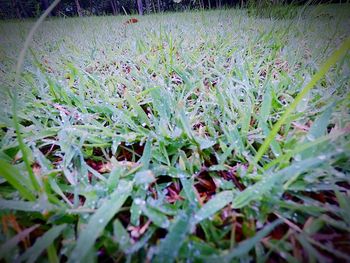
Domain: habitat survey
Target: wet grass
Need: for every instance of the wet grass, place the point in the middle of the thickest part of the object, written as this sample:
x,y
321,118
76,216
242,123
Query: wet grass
x,y
146,141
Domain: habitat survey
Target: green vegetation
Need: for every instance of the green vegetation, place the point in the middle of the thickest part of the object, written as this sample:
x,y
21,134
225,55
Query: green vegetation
x,y
146,141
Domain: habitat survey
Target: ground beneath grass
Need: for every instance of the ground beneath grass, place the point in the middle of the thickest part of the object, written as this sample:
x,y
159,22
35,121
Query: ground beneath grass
x,y
139,142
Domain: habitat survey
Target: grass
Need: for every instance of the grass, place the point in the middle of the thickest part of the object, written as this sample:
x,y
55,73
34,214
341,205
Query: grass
x,y
146,142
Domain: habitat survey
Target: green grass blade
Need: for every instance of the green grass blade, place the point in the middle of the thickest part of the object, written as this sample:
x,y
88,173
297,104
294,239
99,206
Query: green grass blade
x,y
147,155
219,201
170,245
21,206
121,235
42,243
12,243
52,254
157,218
99,221
12,176
141,114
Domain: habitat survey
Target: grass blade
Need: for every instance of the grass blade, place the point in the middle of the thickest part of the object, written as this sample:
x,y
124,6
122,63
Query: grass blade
x,y
21,206
170,245
42,243
12,176
12,243
99,221
218,202
141,114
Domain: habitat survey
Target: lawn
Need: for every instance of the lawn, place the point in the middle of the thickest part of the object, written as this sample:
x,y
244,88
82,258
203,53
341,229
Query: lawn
x,y
140,142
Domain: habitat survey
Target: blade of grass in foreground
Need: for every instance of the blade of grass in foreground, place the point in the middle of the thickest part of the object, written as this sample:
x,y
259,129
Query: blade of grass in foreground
x,y
14,94
330,62
21,206
99,221
12,176
218,202
142,115
32,254
12,243
170,245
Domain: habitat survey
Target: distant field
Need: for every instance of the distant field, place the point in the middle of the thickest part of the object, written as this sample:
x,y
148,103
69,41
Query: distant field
x,y
141,142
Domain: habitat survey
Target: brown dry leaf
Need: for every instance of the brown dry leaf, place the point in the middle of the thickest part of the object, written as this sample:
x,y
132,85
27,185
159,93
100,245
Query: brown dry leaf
x,y
37,170
137,231
301,127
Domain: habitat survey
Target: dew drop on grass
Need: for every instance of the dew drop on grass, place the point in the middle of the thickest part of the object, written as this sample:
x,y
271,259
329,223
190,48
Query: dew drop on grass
x,y
297,157
339,150
139,201
181,175
322,157
310,137
165,224
197,218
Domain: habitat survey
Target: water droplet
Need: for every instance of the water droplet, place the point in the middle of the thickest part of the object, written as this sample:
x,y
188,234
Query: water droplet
x,y
181,176
322,157
100,220
310,137
139,201
197,218
165,224
297,157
